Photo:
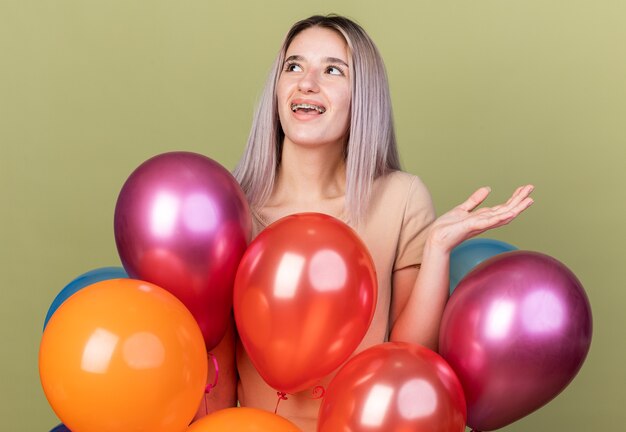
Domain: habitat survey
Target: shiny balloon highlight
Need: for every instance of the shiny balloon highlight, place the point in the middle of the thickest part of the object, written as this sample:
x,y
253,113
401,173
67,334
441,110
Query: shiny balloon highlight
x,y
122,355
516,331
182,222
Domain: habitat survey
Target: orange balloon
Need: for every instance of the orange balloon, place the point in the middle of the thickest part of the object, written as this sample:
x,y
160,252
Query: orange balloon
x,y
243,420
123,355
305,294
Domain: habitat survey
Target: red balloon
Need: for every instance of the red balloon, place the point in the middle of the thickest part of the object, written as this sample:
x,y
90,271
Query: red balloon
x,y
305,294
394,386
182,222
516,331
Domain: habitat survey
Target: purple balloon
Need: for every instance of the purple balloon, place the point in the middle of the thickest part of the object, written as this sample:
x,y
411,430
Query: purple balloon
x,y
182,222
516,331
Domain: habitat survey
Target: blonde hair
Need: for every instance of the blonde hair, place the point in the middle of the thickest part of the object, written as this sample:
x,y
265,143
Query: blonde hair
x,y
371,149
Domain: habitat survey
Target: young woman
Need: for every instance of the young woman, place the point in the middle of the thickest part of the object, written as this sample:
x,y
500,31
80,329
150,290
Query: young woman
x,y
323,140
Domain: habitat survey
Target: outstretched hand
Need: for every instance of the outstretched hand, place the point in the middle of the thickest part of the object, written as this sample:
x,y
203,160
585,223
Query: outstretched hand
x,y
466,221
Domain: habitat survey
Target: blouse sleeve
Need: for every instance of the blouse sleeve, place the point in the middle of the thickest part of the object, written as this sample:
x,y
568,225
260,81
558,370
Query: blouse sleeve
x,y
419,213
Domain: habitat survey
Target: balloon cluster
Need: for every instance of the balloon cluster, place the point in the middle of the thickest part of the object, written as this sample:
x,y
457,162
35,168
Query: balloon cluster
x,y
120,353
126,349
514,333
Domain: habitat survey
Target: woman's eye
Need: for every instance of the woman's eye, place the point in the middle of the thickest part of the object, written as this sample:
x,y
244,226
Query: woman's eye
x,y
293,67
334,70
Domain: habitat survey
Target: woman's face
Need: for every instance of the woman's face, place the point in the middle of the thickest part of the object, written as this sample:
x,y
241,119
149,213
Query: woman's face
x,y
314,91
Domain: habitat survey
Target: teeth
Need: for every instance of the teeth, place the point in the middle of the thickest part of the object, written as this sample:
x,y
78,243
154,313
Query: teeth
x,y
295,107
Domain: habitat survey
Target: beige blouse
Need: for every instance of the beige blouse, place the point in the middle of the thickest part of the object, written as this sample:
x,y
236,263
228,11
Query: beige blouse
x,y
394,231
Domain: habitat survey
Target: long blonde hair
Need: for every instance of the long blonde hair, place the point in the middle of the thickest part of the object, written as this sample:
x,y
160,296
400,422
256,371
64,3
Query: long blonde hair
x,y
371,149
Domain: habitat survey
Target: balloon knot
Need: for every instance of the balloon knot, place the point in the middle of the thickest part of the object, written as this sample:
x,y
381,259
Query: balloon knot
x,y
281,396
318,392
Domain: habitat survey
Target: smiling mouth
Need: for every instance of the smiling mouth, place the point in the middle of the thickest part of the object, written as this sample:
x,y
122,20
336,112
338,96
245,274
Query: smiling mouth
x,y
307,108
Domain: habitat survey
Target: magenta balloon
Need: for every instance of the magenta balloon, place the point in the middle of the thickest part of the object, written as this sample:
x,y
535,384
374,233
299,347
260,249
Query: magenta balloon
x,y
516,331
182,222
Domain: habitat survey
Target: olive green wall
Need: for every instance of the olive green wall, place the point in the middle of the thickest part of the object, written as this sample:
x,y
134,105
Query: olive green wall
x,y
496,92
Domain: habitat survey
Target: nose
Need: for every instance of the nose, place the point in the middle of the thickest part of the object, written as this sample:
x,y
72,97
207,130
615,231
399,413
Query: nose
x,y
308,82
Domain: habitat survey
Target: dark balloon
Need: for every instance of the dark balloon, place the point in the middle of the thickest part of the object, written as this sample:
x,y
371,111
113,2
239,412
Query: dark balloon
x,y
86,279
394,386
516,331
182,222
472,252
305,295
60,428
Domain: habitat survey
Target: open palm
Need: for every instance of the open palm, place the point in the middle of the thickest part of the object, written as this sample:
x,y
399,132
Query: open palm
x,y
466,221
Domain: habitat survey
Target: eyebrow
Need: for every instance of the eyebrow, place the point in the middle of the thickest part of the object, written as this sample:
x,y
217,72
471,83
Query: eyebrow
x,y
326,60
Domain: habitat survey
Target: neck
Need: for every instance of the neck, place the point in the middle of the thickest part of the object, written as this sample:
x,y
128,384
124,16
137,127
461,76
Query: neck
x,y
310,173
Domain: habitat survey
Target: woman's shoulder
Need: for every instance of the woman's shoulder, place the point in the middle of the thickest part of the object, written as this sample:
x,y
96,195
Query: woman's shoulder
x,y
399,211
400,184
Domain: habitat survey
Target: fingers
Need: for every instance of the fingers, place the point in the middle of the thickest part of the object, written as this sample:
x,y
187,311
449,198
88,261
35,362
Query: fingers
x,y
520,194
475,199
496,217
523,205
487,218
466,221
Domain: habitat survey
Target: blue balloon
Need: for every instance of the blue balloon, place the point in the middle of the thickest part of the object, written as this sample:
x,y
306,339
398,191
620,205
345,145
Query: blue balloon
x,y
91,277
60,428
470,253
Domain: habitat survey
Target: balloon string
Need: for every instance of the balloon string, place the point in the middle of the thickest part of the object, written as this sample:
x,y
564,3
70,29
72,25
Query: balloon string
x,y
210,387
281,396
317,392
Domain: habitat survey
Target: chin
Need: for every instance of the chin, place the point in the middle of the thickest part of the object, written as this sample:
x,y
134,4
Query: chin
x,y
308,140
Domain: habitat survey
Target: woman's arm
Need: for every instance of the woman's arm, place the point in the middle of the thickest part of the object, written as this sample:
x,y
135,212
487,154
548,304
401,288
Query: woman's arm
x,y
420,295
